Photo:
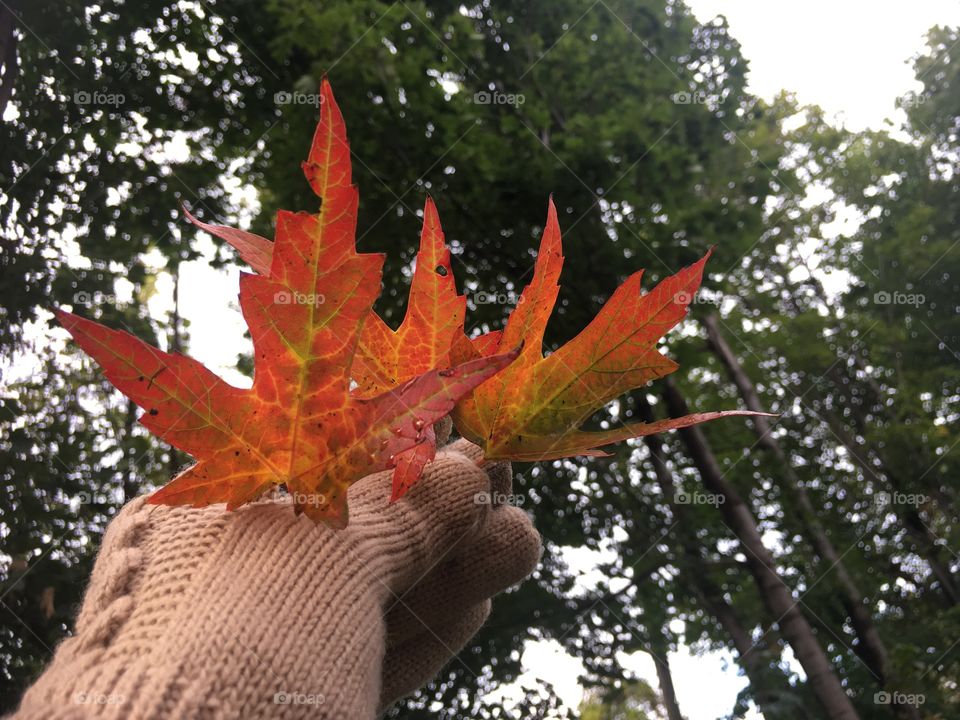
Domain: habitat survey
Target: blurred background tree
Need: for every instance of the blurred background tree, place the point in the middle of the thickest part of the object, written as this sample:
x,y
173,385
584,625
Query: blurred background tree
x,y
635,701
815,548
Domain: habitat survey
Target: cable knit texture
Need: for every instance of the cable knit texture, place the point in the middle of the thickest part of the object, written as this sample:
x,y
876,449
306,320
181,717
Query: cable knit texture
x,y
258,613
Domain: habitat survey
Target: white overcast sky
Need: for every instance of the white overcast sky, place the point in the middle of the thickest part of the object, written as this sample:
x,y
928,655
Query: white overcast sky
x,y
848,56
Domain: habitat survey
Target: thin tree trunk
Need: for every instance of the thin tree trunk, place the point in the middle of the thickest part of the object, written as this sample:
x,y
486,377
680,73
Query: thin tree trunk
x,y
871,647
131,482
775,594
175,459
175,341
766,682
667,692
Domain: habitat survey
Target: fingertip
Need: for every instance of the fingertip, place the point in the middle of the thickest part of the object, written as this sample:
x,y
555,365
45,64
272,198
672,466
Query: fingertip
x,y
451,489
466,448
500,471
430,522
502,554
516,537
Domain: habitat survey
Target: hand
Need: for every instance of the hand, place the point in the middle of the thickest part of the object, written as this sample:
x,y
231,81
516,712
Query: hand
x,y
257,613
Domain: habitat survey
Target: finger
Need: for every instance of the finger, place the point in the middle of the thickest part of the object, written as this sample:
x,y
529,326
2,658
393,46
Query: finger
x,y
415,534
467,448
408,666
504,553
500,471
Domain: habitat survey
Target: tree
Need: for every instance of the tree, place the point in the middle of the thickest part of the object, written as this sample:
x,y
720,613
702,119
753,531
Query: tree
x,y
637,701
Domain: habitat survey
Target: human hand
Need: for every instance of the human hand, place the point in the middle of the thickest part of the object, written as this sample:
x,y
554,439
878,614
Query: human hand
x,y
257,613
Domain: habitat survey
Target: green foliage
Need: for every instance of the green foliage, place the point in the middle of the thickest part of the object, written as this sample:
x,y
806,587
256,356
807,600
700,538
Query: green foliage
x,y
636,701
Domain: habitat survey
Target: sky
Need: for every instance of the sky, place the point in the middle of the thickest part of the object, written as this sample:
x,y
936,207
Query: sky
x,y
848,56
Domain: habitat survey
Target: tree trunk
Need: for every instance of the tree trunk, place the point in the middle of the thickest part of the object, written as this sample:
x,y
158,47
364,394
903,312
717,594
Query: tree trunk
x,y
667,692
777,597
131,480
175,345
871,647
766,681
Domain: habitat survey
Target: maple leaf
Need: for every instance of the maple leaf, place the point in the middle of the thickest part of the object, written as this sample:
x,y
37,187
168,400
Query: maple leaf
x,y
255,250
533,409
387,358
299,424
434,317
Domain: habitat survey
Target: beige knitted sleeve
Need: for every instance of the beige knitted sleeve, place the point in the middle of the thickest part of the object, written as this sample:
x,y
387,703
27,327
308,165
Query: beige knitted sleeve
x,y
258,613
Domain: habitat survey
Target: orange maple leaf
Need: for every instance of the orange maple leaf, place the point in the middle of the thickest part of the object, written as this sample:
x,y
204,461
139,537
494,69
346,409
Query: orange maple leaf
x,y
434,317
534,409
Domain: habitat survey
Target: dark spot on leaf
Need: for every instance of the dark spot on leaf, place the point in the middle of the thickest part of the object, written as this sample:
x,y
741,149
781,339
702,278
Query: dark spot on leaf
x,y
441,271
154,411
154,376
